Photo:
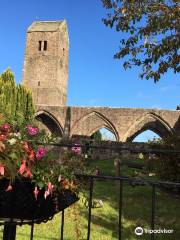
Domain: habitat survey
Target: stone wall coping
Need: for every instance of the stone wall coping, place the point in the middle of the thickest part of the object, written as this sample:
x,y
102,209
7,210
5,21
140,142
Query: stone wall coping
x,y
45,26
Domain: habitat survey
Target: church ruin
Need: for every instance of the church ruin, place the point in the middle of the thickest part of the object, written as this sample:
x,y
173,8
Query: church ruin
x,y
46,73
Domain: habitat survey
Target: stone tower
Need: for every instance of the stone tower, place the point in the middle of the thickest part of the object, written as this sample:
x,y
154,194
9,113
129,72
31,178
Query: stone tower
x,y
46,62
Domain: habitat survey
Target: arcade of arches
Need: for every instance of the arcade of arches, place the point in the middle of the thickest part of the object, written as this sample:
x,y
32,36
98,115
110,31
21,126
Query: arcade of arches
x,y
124,123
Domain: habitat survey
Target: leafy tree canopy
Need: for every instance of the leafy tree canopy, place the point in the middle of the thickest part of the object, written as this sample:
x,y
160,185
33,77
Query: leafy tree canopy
x,y
152,34
8,77
97,136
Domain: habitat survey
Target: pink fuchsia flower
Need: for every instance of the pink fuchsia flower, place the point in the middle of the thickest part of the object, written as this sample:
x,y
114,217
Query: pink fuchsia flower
x,y
36,192
23,167
9,188
32,130
76,148
28,173
47,193
49,190
2,170
41,152
31,155
50,187
24,170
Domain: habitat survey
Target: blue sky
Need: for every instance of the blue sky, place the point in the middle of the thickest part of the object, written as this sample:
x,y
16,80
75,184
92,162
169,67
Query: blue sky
x,y
95,78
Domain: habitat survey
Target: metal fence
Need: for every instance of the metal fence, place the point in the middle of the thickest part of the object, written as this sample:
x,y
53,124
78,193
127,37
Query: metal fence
x,y
154,185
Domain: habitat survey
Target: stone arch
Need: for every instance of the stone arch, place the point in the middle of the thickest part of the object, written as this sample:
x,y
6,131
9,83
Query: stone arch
x,y
91,122
149,121
50,122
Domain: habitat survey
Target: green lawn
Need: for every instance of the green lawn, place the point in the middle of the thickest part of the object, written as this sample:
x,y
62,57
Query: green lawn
x,y
136,212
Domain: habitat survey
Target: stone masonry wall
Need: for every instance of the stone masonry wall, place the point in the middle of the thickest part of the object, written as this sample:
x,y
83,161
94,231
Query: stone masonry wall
x,y
123,122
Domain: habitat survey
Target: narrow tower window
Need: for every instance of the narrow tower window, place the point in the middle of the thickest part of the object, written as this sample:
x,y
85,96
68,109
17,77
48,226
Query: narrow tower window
x,y
38,83
45,45
40,45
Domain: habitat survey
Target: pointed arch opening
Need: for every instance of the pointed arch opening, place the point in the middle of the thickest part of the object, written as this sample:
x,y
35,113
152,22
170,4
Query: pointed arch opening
x,y
149,122
92,122
49,123
146,136
103,134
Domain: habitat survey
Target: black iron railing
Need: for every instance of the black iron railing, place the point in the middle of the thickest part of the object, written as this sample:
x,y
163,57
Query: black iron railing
x,y
10,226
121,180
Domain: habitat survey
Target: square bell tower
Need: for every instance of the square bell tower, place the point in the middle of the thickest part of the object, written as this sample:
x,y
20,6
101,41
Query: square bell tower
x,y
45,69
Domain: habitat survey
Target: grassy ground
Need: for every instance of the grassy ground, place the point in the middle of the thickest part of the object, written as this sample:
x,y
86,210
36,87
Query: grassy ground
x,y
136,212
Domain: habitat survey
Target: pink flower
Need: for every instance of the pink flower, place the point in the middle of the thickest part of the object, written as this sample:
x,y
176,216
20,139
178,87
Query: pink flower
x,y
41,152
50,187
24,170
9,188
32,130
49,190
47,193
76,149
31,155
23,167
5,127
2,170
36,192
28,173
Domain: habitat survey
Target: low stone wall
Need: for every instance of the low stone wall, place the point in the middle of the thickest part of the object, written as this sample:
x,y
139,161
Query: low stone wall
x,y
110,150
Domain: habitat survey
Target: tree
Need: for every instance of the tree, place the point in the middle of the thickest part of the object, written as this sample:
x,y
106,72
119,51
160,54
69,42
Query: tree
x,y
97,136
166,165
150,31
15,100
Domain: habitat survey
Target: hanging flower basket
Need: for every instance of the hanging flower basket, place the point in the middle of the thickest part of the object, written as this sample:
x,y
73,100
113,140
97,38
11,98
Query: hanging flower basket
x,y
35,181
20,203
